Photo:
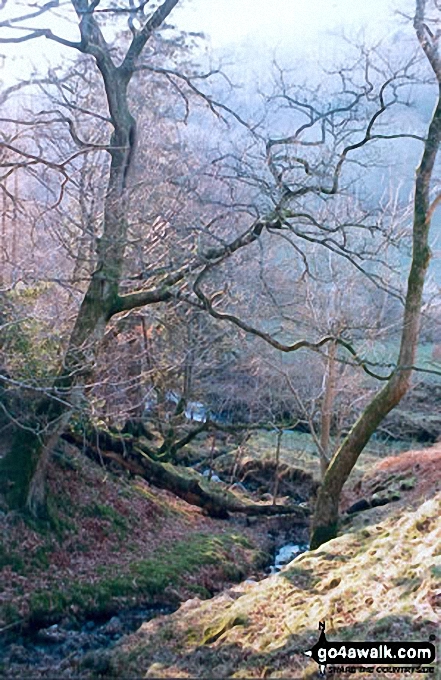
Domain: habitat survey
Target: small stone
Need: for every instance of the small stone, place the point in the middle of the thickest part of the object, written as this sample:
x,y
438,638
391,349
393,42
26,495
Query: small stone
x,y
18,654
53,634
113,627
378,501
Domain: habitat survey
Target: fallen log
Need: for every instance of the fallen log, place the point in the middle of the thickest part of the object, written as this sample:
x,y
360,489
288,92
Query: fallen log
x,y
186,486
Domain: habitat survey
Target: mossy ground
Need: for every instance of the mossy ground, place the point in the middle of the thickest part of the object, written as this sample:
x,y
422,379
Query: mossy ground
x,y
114,542
377,583
172,566
379,580
119,543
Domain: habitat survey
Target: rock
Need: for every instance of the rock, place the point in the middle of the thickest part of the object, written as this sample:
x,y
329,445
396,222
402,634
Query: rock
x,y
363,504
378,501
154,671
54,634
113,627
407,485
213,478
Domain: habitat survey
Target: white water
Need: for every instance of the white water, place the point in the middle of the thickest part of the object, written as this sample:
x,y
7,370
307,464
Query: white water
x,y
286,554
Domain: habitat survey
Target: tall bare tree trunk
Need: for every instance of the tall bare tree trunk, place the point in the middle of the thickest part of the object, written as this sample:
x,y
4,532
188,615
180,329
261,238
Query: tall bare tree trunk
x,y
325,520
327,408
23,469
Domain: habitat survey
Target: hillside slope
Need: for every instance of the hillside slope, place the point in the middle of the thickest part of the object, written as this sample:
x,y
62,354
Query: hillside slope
x,y
114,542
380,580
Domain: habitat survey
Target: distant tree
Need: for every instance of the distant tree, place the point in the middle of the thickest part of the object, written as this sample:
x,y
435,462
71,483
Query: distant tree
x,y
307,165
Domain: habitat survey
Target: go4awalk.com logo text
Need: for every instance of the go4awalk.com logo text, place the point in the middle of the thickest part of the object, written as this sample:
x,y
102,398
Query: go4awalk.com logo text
x,y
373,657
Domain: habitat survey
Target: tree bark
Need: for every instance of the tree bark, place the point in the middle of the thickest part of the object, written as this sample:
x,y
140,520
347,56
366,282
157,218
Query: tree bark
x,y
325,519
169,477
327,408
276,469
24,485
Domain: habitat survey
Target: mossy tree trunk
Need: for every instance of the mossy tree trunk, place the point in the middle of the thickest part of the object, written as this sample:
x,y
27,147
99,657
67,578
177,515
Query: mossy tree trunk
x,y
325,520
103,446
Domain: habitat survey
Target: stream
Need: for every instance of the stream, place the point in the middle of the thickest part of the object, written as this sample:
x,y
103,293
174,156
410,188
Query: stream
x,y
64,648
71,648
285,554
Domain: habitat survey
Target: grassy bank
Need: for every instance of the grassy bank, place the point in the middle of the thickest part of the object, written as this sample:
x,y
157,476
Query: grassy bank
x,y
114,542
379,581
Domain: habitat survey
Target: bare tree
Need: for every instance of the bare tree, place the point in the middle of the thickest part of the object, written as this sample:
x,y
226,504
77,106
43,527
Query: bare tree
x,y
326,512
308,164
25,466
299,199
109,290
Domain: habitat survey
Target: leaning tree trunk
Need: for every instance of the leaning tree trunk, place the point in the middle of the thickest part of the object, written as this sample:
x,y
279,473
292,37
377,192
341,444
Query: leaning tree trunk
x,y
325,520
104,447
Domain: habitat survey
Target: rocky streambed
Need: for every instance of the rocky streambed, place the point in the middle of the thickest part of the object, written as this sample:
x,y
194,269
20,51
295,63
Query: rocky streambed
x,y
70,648
81,649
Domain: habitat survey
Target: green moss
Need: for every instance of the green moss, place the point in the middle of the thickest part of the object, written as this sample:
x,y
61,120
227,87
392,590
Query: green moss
x,y
220,627
436,571
10,559
323,534
10,613
17,468
200,591
261,559
241,540
54,523
165,508
46,604
171,566
33,346
40,558
118,522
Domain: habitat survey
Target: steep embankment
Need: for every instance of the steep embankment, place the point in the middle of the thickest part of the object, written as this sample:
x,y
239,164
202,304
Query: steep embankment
x,y
115,542
380,580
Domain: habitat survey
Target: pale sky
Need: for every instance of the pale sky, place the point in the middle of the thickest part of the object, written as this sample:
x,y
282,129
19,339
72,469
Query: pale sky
x,y
231,22
252,29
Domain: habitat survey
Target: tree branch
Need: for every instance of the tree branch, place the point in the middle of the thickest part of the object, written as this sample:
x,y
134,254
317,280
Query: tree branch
x,y
139,41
